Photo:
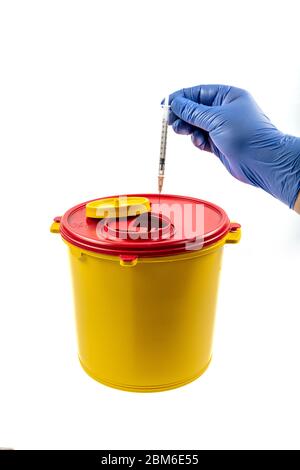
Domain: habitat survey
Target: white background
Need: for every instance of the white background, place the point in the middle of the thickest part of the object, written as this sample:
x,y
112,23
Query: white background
x,y
80,90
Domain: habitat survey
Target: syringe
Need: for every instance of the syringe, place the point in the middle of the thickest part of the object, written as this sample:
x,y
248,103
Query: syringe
x,y
163,144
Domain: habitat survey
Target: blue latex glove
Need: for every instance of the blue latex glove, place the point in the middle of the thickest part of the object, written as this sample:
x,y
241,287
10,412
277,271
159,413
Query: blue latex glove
x,y
227,122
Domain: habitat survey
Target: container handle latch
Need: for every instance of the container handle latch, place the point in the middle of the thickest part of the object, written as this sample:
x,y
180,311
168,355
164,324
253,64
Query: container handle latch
x,y
234,234
128,260
55,225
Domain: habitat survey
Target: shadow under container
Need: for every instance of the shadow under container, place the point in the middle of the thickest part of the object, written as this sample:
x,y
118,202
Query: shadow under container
x,y
145,273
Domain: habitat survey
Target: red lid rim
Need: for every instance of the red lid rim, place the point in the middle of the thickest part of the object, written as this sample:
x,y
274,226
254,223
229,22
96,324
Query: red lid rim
x,y
148,249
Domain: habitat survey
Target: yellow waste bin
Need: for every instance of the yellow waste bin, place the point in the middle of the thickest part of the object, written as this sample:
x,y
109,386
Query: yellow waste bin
x,y
145,272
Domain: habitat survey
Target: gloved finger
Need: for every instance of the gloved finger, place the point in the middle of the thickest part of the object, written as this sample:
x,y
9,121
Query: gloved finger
x,y
181,127
197,115
202,94
200,140
209,95
172,117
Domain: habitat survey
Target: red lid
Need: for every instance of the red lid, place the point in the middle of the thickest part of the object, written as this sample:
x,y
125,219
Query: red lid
x,y
175,224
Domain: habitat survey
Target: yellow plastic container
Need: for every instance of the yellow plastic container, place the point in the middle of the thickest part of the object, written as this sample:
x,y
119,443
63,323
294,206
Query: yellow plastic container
x,y
146,324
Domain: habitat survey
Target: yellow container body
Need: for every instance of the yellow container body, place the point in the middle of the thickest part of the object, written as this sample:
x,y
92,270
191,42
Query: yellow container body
x,y
146,326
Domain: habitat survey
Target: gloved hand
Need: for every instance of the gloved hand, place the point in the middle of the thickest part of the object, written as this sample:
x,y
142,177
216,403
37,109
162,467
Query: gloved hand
x,y
227,122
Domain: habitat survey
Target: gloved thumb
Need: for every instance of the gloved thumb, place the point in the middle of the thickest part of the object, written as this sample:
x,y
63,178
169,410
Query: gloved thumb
x,y
197,115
